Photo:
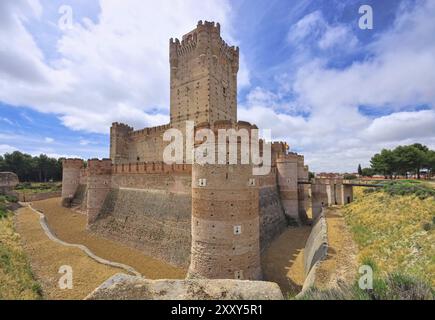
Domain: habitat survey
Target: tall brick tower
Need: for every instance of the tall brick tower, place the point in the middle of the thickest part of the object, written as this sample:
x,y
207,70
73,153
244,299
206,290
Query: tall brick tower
x,y
203,77
225,220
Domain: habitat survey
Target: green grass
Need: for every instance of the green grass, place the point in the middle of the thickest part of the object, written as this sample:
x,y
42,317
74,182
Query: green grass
x,y
37,187
16,278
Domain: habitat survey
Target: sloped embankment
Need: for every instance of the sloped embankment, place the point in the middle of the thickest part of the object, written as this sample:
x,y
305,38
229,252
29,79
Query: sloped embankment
x,y
395,233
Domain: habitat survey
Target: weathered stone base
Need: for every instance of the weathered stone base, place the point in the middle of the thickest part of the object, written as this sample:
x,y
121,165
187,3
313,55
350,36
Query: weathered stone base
x,y
125,287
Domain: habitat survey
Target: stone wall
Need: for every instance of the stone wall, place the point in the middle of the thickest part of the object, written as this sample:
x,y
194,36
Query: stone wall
x,y
177,182
315,251
156,222
8,182
272,217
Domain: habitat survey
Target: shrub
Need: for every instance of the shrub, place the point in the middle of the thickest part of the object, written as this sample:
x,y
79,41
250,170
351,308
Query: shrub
x,y
393,287
23,185
426,225
403,188
369,190
3,212
349,177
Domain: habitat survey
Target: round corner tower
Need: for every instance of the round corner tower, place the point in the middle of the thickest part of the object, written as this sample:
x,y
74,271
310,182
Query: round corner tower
x,y
287,171
99,184
71,169
225,222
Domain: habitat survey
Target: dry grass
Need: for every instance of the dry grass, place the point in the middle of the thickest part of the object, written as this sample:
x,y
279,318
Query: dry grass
x,y
70,226
394,232
16,279
47,256
340,265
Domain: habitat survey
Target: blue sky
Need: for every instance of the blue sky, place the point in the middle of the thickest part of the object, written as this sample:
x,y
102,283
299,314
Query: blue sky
x,y
337,93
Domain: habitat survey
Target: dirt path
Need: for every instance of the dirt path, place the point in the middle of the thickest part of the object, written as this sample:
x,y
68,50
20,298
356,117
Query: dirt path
x,y
282,262
341,263
70,227
47,256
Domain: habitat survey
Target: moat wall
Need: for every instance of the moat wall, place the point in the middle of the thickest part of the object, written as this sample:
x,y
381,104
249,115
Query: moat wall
x,y
272,218
152,212
153,221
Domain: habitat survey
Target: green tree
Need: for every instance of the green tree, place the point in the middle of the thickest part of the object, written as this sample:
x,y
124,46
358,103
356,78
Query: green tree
x,y
28,168
384,163
367,172
359,170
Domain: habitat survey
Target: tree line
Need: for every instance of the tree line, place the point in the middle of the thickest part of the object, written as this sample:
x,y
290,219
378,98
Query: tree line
x,y
401,161
32,169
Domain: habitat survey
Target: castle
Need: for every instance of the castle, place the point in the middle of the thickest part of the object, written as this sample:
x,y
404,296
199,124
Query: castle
x,y
214,219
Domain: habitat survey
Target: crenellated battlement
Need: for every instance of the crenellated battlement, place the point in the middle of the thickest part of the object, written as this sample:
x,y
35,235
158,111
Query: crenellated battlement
x,y
150,168
73,163
99,167
121,126
150,131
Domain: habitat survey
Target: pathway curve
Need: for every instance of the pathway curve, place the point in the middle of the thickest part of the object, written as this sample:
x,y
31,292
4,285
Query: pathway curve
x,y
52,237
70,226
47,257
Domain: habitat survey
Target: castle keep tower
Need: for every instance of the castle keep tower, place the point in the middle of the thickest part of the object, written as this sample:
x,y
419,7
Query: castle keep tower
x,y
203,77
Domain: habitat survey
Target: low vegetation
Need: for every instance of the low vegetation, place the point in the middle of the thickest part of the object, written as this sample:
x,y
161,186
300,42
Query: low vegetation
x,y
394,229
395,286
404,188
28,187
16,279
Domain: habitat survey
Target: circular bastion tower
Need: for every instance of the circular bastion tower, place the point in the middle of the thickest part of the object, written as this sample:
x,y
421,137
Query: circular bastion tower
x,y
287,168
99,184
70,178
225,222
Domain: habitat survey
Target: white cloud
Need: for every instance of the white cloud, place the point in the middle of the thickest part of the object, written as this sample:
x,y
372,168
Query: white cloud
x,y
314,29
115,69
48,140
398,76
6,120
402,125
5,148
